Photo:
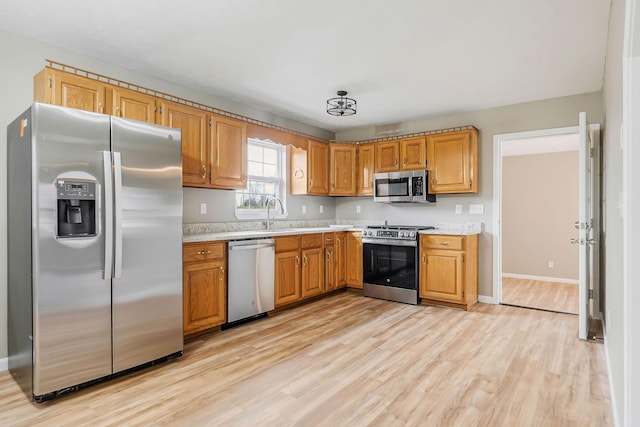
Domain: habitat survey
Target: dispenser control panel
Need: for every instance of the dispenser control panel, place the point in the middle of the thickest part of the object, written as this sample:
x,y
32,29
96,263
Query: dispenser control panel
x,y
76,190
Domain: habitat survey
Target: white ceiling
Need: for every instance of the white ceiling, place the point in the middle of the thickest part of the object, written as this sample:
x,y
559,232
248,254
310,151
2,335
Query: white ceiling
x,y
400,59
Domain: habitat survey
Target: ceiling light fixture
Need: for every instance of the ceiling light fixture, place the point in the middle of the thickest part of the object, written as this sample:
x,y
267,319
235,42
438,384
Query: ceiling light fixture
x,y
341,106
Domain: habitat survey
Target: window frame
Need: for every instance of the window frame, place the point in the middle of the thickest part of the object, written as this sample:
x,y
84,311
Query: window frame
x,y
281,184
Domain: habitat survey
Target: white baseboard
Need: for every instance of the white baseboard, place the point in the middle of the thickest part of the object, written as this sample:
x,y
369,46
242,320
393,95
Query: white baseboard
x,y
487,300
4,364
616,421
541,278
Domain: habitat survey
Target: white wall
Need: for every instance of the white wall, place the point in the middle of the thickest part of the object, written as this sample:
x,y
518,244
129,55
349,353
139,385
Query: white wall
x,y
547,114
539,207
22,58
612,293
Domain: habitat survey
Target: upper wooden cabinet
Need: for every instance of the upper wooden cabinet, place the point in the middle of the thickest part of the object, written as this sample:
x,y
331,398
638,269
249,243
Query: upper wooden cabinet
x,y
309,174
413,153
131,104
318,163
343,167
453,162
69,90
366,161
228,152
216,158
387,156
195,147
403,154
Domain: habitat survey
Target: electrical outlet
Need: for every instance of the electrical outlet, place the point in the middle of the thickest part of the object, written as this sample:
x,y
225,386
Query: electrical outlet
x,y
458,209
358,209
304,209
203,208
550,264
321,208
477,209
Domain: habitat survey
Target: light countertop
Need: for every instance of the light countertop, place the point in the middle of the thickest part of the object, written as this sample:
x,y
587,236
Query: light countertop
x,y
256,234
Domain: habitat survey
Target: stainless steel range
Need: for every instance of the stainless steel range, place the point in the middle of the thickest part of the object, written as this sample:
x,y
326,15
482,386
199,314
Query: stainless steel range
x,y
390,262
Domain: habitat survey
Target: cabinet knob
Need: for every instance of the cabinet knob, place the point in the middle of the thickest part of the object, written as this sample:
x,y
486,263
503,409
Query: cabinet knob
x,y
297,260
443,243
424,258
304,260
204,171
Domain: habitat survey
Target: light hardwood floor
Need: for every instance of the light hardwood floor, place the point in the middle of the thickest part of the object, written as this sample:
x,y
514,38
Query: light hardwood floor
x,y
347,360
555,296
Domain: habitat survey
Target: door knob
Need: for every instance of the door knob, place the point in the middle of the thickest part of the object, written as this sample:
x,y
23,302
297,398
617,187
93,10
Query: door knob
x,y
591,242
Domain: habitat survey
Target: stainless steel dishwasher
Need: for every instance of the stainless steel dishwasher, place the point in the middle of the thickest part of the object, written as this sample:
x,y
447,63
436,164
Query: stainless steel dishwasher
x,y
251,279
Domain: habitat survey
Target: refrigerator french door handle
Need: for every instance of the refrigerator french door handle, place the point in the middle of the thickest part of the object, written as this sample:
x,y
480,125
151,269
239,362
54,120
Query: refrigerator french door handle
x,y
108,215
117,211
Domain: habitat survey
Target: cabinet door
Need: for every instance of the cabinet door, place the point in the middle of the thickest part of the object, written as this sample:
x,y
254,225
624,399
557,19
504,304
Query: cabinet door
x,y
287,283
341,260
413,153
366,156
204,287
312,272
69,90
228,153
193,123
452,161
330,268
343,166
441,275
130,104
318,167
354,259
387,154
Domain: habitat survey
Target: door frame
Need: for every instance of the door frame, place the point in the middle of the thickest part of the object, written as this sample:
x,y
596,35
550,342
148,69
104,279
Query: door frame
x,y
594,130
630,205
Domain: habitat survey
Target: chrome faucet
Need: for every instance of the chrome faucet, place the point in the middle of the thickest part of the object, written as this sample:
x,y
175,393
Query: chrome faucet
x,y
275,200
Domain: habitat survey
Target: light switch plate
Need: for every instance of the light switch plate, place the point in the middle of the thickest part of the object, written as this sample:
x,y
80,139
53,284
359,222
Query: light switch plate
x,y
203,208
458,209
304,209
476,209
321,208
358,209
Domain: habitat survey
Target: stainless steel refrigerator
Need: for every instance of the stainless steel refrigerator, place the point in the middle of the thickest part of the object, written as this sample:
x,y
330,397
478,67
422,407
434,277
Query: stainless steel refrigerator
x,y
94,247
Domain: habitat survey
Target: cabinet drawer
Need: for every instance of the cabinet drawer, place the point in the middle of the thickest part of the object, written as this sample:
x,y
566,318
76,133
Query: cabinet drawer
x,y
442,242
311,241
287,244
329,239
203,252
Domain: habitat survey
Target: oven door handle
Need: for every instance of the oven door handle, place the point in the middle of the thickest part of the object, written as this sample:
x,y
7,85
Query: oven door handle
x,y
390,242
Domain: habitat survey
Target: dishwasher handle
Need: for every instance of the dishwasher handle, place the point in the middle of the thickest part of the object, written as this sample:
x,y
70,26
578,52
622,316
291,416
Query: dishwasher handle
x,y
250,245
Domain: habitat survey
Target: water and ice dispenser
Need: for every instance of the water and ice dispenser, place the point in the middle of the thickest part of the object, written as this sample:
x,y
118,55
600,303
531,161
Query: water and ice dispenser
x,y
76,208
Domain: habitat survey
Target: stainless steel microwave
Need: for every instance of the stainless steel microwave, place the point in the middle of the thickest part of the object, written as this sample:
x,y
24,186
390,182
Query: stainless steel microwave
x,y
402,187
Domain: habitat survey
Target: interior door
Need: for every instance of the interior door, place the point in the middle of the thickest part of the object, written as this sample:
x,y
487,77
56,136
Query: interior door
x,y
585,226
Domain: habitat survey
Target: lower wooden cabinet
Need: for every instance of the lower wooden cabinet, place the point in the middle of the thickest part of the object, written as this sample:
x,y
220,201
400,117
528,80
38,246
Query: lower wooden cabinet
x,y
449,270
204,286
341,259
312,255
287,270
353,264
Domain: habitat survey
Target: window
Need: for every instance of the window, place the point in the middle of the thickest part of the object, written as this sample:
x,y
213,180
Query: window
x,y
265,180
